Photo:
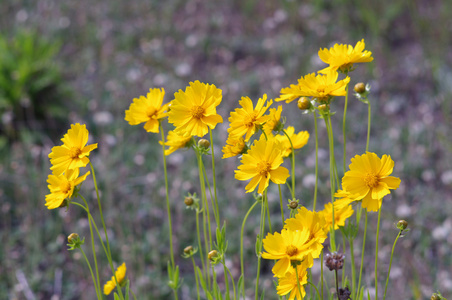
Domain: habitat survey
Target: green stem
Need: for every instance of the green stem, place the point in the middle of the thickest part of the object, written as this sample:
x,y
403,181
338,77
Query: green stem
x,y
233,283
281,204
293,164
362,252
352,258
261,236
268,213
242,268
337,284
298,282
200,244
321,273
376,255
368,125
316,160
343,125
196,276
315,287
98,294
332,180
390,263
226,279
216,208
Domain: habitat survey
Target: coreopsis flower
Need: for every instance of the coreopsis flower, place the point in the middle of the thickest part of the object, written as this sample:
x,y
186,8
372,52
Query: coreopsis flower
x,y
248,119
194,111
289,284
298,140
261,164
322,87
175,141
148,110
62,187
315,223
286,247
73,153
341,214
233,147
368,179
342,57
274,122
120,275
344,198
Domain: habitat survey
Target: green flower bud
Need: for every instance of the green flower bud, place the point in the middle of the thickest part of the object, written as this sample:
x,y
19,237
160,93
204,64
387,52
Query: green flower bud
x,y
212,254
293,204
188,201
72,238
203,143
188,250
402,224
360,88
304,103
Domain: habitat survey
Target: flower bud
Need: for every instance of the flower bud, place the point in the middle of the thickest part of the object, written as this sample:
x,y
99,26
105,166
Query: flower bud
x,y
323,107
360,88
188,250
72,238
188,201
334,260
402,224
293,204
203,143
304,103
212,254
435,296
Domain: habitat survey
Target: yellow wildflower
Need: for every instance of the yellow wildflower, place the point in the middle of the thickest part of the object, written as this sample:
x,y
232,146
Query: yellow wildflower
x,y
341,214
175,142
274,121
62,187
233,147
120,275
298,140
289,284
342,57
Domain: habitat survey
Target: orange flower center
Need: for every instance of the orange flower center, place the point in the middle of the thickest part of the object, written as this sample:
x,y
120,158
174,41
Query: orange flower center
x,y
291,250
197,112
371,180
151,112
250,120
74,152
263,168
66,188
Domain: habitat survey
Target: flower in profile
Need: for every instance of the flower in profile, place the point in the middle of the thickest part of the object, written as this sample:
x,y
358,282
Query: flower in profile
x,y
194,111
233,147
344,198
73,153
322,87
261,164
286,247
341,214
248,119
120,275
148,110
175,141
274,122
298,140
342,57
62,187
315,223
289,284
368,179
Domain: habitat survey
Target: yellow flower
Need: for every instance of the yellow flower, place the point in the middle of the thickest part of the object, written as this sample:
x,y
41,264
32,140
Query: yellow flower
x,y
62,187
175,142
369,180
342,57
120,274
148,109
73,153
322,87
194,111
341,214
344,198
246,120
315,223
298,140
274,121
233,147
261,164
289,284
287,246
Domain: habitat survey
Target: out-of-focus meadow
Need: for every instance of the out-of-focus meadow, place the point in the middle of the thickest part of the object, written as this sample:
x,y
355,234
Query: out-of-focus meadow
x,y
63,62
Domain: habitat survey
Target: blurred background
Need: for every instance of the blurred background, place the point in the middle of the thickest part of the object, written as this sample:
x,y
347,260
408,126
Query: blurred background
x,y
63,62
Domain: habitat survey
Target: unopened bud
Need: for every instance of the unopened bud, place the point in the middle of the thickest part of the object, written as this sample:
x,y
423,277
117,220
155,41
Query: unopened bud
x,y
72,238
304,103
203,143
435,296
188,250
212,254
360,88
323,107
402,224
188,201
293,204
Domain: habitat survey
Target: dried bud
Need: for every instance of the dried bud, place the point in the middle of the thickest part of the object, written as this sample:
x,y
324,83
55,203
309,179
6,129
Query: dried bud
x,y
188,250
212,254
344,293
360,88
188,201
402,224
203,143
72,238
334,261
304,103
293,204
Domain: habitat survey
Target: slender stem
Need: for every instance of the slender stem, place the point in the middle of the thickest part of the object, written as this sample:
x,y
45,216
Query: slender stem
x,y
343,125
200,244
268,212
376,255
369,114
293,164
168,208
362,252
94,256
390,263
92,274
334,157
352,258
332,181
281,204
216,208
196,276
337,283
345,258
316,160
261,235
298,282
315,287
242,268
226,280
321,273
232,280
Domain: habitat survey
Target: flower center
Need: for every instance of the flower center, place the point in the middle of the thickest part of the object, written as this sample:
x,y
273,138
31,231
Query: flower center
x,y
263,168
151,112
74,152
371,180
250,120
197,112
291,250
66,187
